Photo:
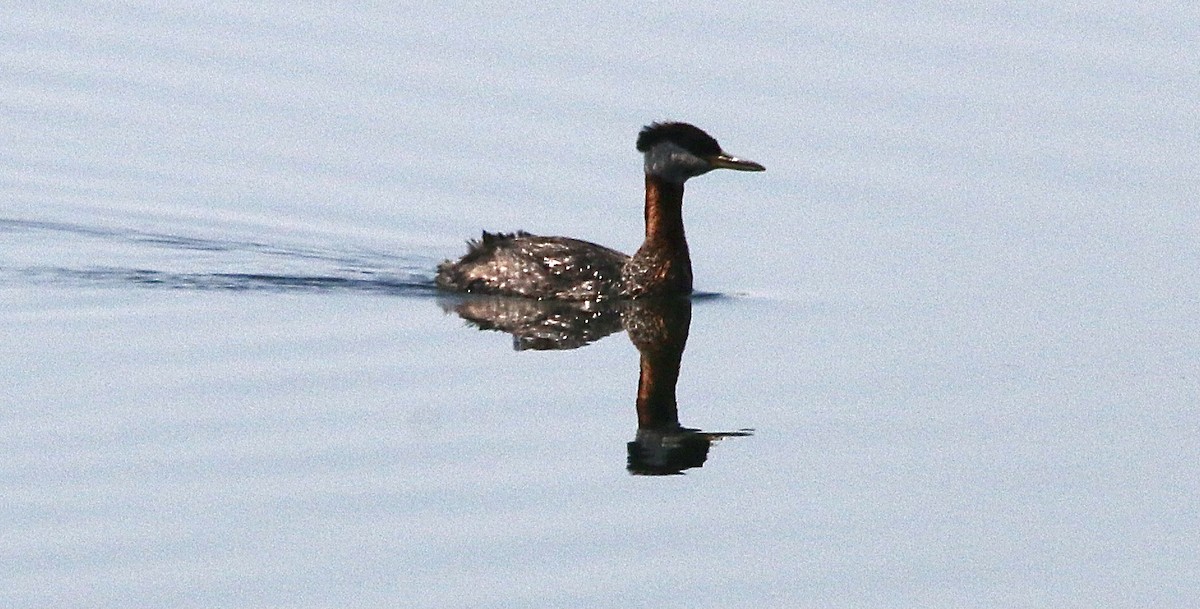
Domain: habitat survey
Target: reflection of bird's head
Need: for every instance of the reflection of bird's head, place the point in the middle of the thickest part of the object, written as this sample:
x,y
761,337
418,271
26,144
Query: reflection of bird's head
x,y
665,453
677,151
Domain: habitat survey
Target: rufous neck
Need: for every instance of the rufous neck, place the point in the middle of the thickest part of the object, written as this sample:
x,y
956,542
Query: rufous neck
x,y
664,211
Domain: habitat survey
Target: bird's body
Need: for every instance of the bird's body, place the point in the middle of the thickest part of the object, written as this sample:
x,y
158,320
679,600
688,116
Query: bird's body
x,y
561,268
532,266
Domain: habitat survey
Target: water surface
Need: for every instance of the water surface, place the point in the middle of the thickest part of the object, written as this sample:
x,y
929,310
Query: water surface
x,y
959,310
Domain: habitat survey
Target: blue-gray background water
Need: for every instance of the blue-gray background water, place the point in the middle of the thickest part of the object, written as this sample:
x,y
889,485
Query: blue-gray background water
x,y
960,310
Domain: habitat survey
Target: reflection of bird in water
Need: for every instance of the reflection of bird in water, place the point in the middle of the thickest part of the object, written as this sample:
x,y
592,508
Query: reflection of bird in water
x,y
541,325
658,328
560,268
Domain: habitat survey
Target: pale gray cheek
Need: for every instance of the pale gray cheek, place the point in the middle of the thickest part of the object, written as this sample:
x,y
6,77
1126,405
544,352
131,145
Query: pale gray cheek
x,y
687,165
677,170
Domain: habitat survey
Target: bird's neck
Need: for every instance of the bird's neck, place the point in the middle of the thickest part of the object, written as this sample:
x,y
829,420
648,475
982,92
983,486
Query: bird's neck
x,y
664,212
662,265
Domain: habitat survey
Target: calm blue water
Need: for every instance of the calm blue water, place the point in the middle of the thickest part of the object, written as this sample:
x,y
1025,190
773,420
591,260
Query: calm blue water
x,y
960,311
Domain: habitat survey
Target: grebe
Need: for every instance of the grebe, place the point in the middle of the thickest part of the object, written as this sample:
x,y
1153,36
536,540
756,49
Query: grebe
x,y
560,268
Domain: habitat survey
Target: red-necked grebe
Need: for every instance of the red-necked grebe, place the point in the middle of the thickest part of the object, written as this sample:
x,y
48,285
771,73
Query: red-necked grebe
x,y
560,268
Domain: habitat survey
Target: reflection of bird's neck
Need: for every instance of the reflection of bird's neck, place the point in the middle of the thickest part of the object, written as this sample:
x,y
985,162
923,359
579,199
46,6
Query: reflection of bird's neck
x,y
656,405
659,330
